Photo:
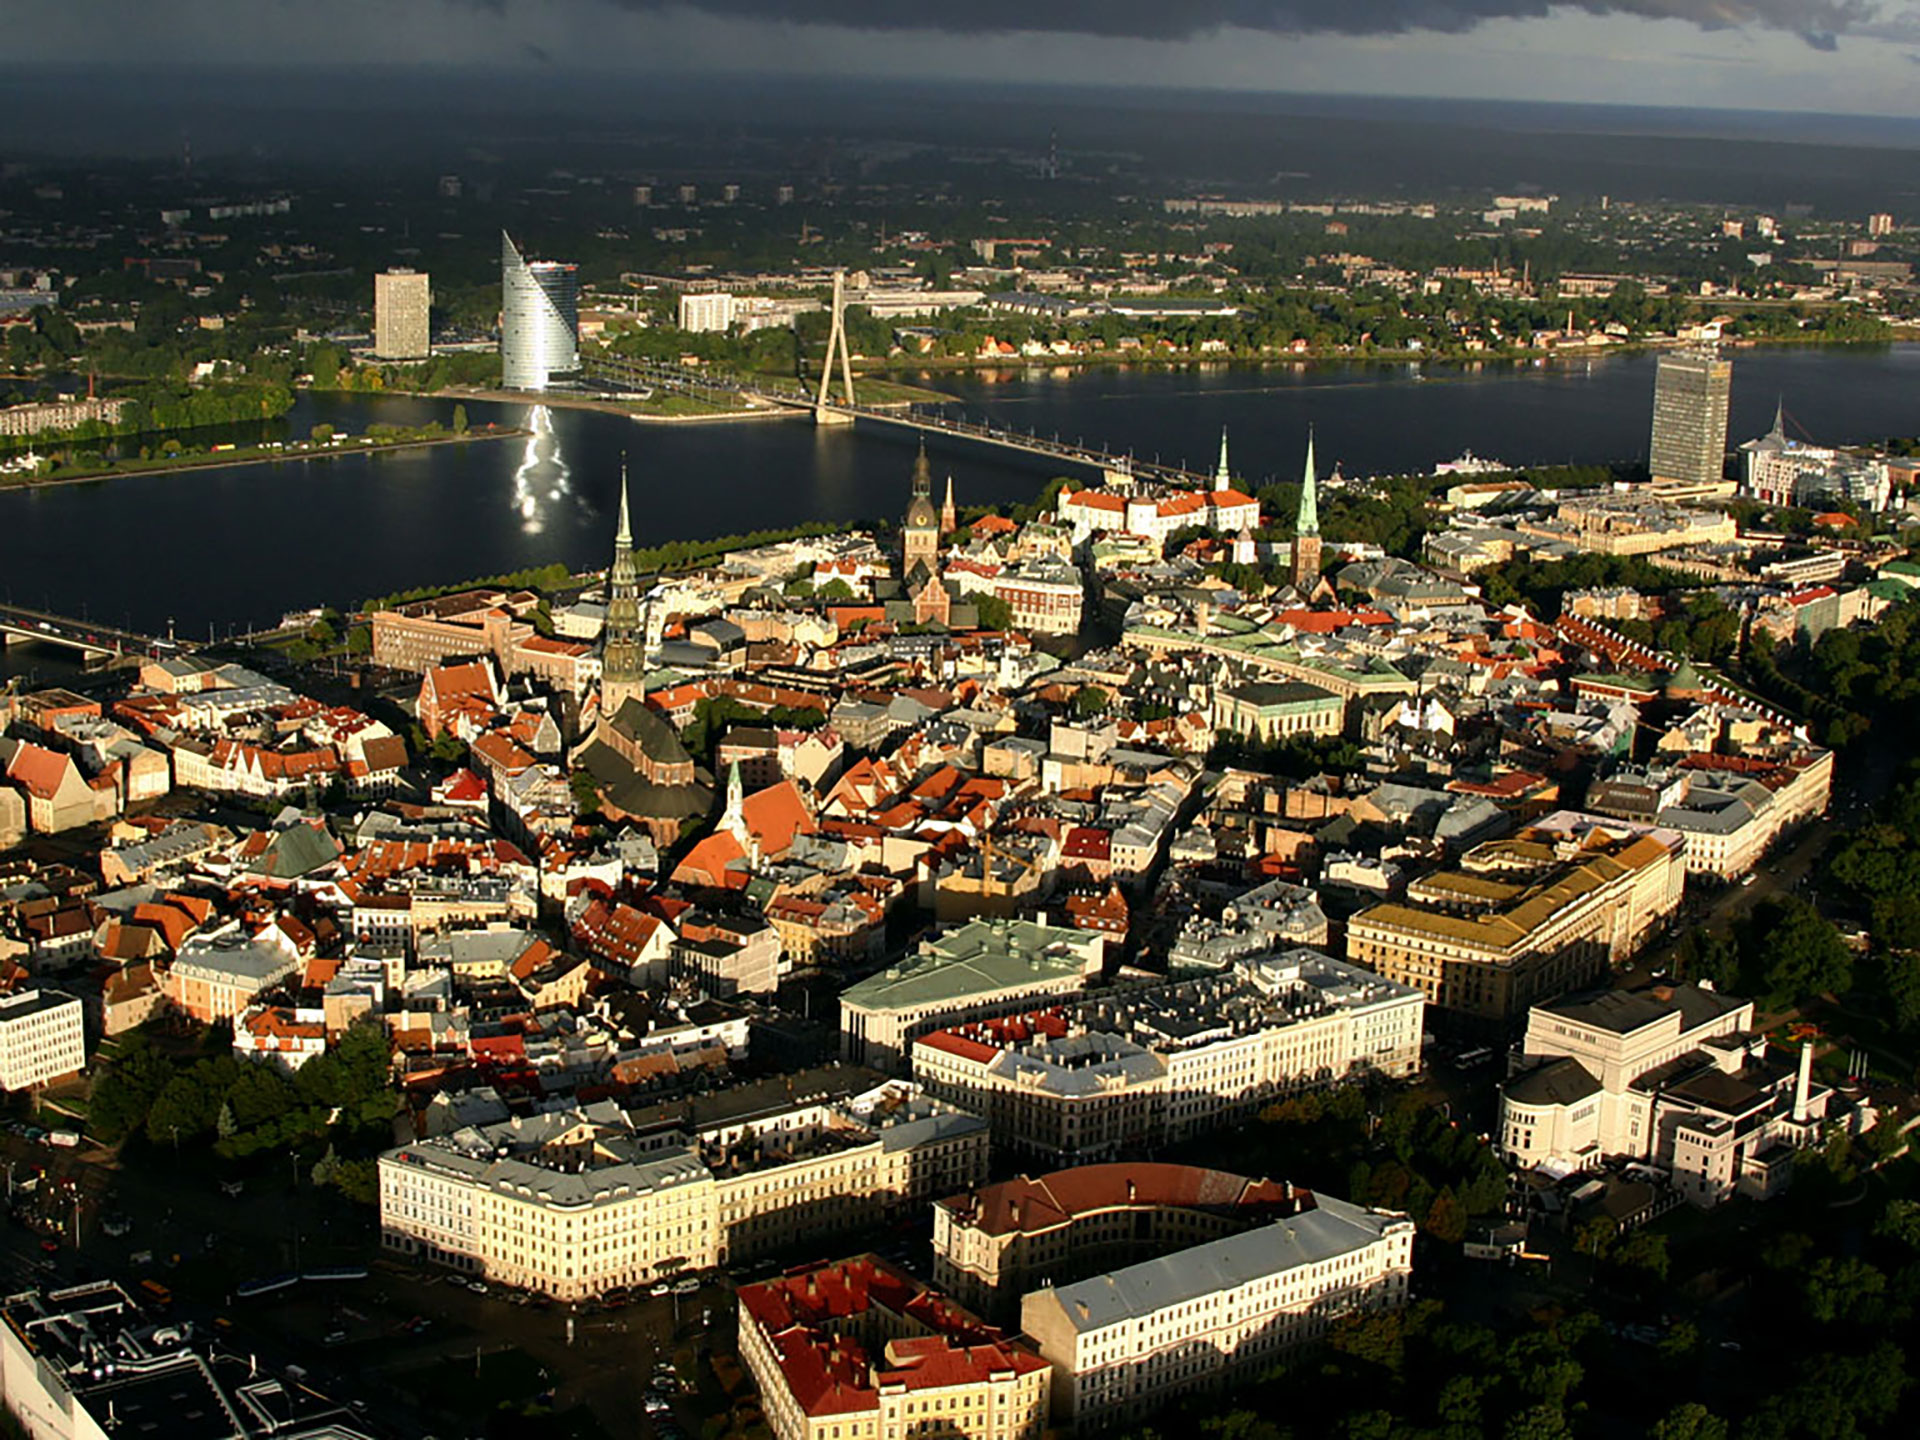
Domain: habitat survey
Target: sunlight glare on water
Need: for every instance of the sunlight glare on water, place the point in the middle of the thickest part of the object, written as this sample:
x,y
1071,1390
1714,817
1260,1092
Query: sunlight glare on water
x,y
543,474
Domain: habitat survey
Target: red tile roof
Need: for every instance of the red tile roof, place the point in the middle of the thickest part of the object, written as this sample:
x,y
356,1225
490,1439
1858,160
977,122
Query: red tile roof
x,y
804,1316
38,769
1029,1206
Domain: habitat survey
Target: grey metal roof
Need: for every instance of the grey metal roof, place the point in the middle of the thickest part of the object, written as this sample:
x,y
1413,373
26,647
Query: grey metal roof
x,y
1332,1228
1561,1082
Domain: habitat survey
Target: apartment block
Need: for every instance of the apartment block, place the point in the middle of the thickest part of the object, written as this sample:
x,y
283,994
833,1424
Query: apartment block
x,y
42,1038
1733,808
402,311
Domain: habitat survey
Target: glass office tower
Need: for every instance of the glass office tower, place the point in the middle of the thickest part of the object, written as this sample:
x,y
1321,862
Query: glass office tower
x,y
539,320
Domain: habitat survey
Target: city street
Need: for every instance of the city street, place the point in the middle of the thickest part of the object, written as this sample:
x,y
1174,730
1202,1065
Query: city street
x,y
411,1348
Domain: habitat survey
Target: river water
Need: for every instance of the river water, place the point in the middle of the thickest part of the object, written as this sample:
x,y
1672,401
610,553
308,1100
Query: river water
x,y
239,545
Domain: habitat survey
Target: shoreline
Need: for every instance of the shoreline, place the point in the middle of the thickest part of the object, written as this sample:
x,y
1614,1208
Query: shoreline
x,y
961,365
240,461
564,400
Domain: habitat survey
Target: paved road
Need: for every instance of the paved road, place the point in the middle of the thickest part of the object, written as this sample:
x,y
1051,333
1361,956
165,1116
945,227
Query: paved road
x,y
374,1355
1783,873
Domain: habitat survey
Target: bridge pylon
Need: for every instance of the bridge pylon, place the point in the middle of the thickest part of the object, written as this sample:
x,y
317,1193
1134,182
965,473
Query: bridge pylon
x,y
824,412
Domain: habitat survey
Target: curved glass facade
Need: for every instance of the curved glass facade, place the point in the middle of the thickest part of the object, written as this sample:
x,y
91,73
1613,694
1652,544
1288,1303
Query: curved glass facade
x,y
539,320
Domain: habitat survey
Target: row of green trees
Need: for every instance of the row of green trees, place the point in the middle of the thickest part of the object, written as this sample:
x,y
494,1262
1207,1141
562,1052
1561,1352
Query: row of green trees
x,y
1827,1320
162,408
240,1108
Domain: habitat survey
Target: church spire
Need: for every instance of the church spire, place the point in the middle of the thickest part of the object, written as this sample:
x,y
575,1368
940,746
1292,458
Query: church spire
x,y
949,517
623,537
1307,522
623,640
1222,476
922,473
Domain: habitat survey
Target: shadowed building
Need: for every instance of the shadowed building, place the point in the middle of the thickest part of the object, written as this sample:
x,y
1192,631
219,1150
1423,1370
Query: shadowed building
x,y
1689,442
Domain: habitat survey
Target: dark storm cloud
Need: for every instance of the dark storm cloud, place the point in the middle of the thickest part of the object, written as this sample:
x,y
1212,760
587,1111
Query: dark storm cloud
x,y
1815,21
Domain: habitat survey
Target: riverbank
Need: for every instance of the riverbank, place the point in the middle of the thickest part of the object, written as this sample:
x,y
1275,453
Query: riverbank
x,y
892,366
690,410
244,546
676,408
249,455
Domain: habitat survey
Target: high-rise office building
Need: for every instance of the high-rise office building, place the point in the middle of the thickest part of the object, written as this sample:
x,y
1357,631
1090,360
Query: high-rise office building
x,y
402,303
539,320
1690,391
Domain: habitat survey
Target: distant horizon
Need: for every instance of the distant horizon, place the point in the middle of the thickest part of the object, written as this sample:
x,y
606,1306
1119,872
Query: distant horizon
x,y
220,89
1146,91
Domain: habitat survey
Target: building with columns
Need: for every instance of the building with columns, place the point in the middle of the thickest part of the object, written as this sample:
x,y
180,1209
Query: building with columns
x,y
1676,1077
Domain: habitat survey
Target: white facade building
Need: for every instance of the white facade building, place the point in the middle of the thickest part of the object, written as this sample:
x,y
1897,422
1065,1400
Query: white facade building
x,y
42,1037
707,312
1673,1077
1126,1343
573,1203
1157,1065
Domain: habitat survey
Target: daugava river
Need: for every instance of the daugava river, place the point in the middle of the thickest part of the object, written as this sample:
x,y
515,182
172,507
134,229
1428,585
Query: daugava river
x,y
241,545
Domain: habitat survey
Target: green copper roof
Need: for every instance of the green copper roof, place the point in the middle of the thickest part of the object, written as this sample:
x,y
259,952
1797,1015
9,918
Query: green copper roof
x,y
1308,520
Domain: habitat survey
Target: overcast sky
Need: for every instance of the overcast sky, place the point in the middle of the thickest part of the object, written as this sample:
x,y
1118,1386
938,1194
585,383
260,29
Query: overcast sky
x,y
1844,56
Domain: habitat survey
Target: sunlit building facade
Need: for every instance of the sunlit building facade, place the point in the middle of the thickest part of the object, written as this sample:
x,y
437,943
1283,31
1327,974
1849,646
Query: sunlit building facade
x,y
402,313
539,320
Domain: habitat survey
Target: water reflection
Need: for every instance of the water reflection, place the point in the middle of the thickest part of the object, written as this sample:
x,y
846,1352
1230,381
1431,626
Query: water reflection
x,y
543,474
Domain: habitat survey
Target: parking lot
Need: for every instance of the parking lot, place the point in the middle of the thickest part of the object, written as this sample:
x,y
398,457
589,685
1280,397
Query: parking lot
x,y
419,1352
